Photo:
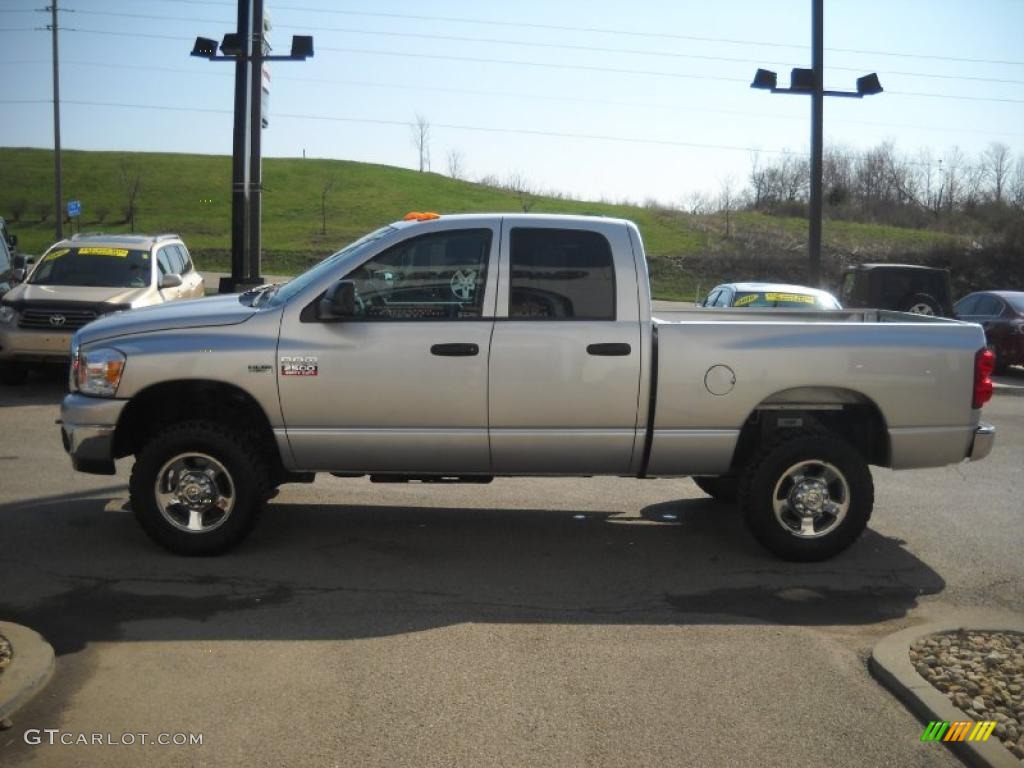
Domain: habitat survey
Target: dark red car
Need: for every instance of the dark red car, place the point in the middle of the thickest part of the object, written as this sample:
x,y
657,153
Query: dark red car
x,y
1001,314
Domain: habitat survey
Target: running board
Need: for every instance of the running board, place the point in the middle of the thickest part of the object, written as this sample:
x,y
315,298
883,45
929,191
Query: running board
x,y
479,479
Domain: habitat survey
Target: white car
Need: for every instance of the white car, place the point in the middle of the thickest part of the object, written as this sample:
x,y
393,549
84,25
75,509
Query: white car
x,y
770,296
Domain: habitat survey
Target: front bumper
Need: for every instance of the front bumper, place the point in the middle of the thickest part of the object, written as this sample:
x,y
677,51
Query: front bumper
x,y
35,346
87,427
984,439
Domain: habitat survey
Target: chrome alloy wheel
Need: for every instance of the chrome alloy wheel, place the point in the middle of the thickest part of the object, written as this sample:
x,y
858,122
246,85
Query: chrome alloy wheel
x,y
922,309
811,499
194,493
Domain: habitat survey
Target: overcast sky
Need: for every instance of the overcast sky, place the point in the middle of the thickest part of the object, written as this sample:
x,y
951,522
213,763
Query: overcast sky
x,y
610,100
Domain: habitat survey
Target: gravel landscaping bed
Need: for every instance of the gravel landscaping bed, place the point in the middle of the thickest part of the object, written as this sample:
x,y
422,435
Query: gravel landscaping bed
x,y
982,673
5,653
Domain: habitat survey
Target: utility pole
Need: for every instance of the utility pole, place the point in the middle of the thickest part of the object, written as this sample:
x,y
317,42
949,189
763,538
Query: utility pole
x,y
58,194
817,139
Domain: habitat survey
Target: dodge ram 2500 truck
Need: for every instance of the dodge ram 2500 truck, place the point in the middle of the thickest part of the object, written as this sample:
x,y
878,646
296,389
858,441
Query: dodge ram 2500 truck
x,y
459,348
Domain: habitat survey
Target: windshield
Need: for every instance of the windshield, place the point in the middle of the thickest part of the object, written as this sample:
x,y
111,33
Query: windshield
x,y
784,300
94,266
313,274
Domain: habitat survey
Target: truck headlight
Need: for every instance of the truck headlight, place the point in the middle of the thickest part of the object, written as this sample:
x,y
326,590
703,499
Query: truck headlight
x,y
98,371
8,314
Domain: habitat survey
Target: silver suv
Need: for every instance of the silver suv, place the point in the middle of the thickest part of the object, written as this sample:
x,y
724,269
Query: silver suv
x,y
80,279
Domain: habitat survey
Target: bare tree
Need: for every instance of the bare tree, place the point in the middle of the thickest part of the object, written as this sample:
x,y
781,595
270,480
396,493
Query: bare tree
x,y
325,189
697,203
758,182
998,164
1015,189
518,184
421,140
727,202
456,164
131,186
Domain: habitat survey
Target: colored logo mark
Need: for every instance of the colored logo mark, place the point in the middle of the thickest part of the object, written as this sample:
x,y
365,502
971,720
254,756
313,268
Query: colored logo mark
x,y
964,730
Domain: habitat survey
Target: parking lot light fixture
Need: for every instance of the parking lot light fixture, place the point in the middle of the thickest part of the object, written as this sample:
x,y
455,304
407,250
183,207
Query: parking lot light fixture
x,y
205,48
810,82
765,79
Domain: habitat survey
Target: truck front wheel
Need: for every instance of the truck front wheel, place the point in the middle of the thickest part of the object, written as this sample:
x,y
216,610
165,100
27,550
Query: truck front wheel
x,y
197,487
807,496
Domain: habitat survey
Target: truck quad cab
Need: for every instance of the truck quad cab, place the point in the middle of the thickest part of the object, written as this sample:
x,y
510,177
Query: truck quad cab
x,y
459,348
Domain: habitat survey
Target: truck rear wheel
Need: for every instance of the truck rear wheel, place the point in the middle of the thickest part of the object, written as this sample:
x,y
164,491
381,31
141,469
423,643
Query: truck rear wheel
x,y
197,487
807,496
723,489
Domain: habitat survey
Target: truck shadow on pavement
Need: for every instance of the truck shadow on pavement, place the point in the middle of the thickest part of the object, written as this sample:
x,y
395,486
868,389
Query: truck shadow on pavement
x,y
78,569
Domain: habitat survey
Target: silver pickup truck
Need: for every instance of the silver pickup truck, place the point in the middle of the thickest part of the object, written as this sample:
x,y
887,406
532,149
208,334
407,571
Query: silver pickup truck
x,y
459,348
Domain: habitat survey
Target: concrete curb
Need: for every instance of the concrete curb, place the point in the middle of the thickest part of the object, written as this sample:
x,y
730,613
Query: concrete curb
x,y
31,667
890,665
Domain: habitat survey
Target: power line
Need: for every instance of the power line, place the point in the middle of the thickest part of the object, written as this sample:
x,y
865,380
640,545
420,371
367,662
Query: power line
x,y
561,98
549,46
447,126
609,31
544,65
582,67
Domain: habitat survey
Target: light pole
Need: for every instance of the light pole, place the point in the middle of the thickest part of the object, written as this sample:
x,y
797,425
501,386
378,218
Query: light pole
x,y
245,48
812,82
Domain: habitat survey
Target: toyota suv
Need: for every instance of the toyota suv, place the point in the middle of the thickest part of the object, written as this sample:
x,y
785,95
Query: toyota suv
x,y
80,279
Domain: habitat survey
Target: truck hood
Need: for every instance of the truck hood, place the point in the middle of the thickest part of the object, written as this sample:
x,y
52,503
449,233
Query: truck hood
x,y
27,293
197,313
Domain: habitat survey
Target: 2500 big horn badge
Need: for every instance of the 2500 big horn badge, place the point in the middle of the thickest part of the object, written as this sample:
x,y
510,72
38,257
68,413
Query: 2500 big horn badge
x,y
299,366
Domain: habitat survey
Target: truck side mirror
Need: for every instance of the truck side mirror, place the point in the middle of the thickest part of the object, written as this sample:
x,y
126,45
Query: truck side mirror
x,y
18,274
339,302
18,261
12,240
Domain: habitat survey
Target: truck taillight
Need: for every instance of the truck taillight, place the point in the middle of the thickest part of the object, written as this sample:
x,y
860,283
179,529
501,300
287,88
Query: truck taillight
x,y
984,364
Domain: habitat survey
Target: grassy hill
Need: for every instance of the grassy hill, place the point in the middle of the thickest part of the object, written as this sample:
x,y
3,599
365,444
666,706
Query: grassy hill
x,y
190,194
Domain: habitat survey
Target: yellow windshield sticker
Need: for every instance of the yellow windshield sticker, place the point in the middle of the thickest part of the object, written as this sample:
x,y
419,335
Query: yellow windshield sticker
x,y
56,254
119,252
797,298
742,301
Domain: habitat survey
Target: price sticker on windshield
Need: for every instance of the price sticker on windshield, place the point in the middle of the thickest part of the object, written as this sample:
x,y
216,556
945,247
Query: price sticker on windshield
x,y
56,254
96,251
798,298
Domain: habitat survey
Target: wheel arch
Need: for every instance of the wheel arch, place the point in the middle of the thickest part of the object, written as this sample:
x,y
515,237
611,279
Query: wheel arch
x,y
170,402
845,412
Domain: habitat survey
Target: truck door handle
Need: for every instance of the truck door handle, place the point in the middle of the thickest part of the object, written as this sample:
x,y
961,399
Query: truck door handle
x,y
455,350
609,350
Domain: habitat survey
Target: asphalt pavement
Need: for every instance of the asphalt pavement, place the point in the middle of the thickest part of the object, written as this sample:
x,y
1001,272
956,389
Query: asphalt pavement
x,y
598,622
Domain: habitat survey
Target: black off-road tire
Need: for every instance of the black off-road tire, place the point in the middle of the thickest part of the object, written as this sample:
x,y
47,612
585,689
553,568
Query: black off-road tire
x,y
240,455
13,374
724,488
758,483
922,304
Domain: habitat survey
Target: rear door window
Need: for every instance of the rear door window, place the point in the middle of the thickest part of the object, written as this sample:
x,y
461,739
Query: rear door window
x,y
989,306
561,274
